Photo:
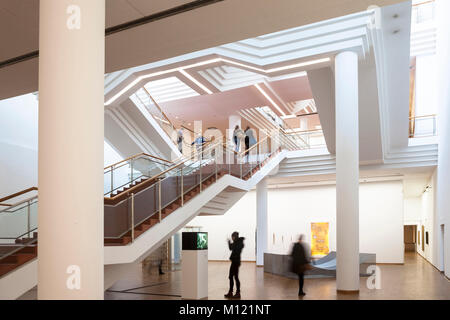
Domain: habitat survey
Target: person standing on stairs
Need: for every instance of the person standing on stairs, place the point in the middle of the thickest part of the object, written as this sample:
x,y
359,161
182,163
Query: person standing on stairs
x,y
238,134
249,141
236,248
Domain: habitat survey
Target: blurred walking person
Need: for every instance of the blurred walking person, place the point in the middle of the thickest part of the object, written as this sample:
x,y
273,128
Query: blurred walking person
x,y
238,134
300,262
250,141
236,248
180,139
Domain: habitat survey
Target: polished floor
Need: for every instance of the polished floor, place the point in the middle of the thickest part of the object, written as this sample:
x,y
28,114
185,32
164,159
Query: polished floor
x,y
416,279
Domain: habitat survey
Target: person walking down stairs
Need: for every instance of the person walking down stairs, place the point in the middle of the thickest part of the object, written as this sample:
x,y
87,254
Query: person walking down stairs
x,y
236,248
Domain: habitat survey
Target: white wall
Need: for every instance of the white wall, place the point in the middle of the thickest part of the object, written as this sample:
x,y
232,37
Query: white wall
x,y
426,85
110,155
292,210
443,174
429,220
18,143
242,218
413,210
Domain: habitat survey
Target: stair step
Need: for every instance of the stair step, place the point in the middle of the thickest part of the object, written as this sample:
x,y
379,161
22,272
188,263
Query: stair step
x,y
12,259
25,257
143,227
5,268
31,249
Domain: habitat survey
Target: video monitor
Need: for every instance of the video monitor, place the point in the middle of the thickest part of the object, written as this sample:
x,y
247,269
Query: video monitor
x,y
195,241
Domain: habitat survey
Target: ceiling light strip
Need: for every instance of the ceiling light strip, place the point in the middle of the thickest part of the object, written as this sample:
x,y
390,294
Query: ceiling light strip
x,y
270,99
202,63
198,83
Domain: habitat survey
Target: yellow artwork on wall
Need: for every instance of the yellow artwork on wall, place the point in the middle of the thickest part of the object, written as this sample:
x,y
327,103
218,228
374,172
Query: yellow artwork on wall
x,y
319,239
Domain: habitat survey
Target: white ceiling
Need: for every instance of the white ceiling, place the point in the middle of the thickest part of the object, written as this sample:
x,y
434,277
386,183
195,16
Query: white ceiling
x,y
198,29
414,179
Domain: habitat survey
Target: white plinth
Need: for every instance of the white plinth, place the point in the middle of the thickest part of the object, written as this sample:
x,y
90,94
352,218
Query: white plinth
x,y
194,274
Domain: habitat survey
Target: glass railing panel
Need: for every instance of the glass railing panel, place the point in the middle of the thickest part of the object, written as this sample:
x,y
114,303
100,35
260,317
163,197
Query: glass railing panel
x,y
423,126
148,167
18,221
121,176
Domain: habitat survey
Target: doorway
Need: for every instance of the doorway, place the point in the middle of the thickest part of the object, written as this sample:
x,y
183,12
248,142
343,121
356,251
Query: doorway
x,y
410,239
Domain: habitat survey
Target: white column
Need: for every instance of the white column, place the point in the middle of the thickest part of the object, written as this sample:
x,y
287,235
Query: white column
x,y
261,221
347,172
71,113
443,170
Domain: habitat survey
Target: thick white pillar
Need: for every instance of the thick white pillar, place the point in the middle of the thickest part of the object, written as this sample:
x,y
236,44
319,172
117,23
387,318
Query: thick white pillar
x,y
261,221
443,170
71,113
347,172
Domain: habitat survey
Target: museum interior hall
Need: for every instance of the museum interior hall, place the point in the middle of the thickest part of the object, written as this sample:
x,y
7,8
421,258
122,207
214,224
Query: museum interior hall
x,y
251,150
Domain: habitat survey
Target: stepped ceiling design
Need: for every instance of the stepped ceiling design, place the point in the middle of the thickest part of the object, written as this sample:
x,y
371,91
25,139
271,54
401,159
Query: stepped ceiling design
x,y
291,72
269,70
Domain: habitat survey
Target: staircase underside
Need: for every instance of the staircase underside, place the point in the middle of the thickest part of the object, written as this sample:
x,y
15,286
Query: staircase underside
x,y
218,194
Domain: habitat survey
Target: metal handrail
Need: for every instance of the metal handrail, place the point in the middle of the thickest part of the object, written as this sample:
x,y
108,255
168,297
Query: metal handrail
x,y
412,125
22,235
158,181
158,106
252,147
154,178
425,116
14,195
136,156
304,131
9,208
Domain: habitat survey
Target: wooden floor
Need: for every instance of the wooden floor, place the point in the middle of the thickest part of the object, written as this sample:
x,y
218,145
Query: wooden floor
x,y
416,279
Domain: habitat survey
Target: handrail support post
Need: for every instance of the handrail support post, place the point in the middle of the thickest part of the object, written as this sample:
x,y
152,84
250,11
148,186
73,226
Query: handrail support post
x,y
28,219
182,187
132,217
159,197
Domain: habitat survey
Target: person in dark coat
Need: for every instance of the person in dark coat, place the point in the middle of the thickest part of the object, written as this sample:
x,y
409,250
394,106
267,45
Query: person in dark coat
x,y
236,248
300,262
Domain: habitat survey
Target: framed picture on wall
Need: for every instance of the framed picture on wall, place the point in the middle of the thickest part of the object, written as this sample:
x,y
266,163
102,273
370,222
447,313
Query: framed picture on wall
x,y
319,238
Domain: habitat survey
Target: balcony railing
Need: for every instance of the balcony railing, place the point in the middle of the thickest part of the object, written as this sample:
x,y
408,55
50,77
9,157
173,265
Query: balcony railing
x,y
314,139
422,126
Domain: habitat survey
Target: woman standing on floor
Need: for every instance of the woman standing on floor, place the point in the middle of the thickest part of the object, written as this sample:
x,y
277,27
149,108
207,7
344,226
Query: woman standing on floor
x,y
300,262
236,248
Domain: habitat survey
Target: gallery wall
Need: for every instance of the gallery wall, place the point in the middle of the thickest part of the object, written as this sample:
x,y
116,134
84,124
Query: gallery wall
x,y
292,210
428,219
18,143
